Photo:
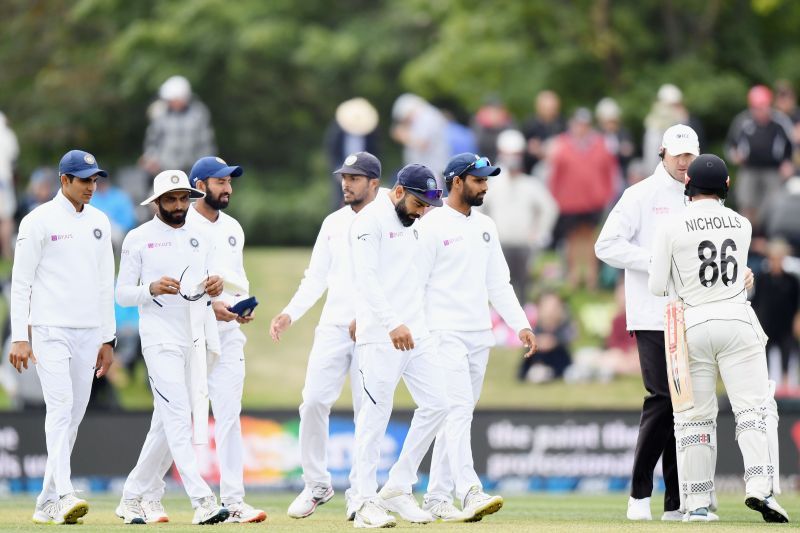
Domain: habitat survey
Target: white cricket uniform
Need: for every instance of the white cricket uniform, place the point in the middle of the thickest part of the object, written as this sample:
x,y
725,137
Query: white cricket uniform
x,y
389,294
169,327
332,355
702,253
461,259
62,285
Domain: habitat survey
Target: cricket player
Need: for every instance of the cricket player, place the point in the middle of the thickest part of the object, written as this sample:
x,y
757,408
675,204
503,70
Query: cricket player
x,y
62,318
699,256
461,259
393,341
165,270
333,351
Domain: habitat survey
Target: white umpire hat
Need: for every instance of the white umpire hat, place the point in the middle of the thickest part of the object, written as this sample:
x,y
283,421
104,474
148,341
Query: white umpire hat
x,y
172,180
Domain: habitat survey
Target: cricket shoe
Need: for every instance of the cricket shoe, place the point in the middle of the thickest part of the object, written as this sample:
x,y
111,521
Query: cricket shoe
x,y
351,505
131,512
405,505
209,512
71,509
154,512
478,504
370,515
639,509
769,508
701,514
672,516
243,513
444,510
46,513
307,501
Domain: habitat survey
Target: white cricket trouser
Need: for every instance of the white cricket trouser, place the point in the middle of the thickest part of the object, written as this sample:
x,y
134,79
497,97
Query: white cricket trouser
x,y
170,429
463,356
332,358
736,349
225,385
65,361
381,367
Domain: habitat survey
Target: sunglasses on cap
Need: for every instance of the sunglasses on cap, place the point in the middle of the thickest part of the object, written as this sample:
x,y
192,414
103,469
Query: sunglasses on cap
x,y
478,163
431,194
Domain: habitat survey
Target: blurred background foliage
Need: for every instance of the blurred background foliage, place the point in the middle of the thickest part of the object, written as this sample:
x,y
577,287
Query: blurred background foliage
x,y
82,73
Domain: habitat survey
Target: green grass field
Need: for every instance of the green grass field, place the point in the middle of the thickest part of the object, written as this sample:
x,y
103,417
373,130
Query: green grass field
x,y
535,512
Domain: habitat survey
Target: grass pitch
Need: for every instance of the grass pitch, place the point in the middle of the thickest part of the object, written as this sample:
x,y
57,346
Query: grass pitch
x,y
535,512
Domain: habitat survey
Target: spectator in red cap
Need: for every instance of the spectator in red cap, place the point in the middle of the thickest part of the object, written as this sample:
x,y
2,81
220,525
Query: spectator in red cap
x,y
760,143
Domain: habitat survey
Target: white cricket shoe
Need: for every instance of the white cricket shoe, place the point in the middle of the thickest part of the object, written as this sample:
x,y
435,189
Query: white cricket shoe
x,y
701,514
243,513
209,512
405,505
370,515
131,512
478,504
71,508
769,508
444,510
672,516
639,509
46,513
154,512
351,505
307,501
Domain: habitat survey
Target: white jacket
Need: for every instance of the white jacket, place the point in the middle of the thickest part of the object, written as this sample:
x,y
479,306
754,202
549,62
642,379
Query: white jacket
x,y
626,241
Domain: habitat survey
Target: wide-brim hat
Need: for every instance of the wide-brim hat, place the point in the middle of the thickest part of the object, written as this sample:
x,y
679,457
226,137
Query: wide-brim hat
x,y
172,180
357,116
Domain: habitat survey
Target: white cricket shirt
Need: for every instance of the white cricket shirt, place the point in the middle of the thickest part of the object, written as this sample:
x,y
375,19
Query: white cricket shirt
x,y
63,273
329,268
228,244
461,259
627,238
701,255
151,251
385,257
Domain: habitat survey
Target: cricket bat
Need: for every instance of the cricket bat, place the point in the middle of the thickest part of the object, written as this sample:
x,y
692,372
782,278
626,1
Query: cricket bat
x,y
680,381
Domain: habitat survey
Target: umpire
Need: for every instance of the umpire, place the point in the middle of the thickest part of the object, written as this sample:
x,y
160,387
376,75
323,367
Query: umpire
x,y
625,242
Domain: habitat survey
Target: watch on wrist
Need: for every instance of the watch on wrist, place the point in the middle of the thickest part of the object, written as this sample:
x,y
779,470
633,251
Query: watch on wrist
x,y
112,342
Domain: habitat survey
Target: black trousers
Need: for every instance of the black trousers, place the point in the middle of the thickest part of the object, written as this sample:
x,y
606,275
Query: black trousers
x,y
656,428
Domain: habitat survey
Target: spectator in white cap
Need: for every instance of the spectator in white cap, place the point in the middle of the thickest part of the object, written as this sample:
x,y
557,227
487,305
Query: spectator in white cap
x,y
617,137
667,110
180,130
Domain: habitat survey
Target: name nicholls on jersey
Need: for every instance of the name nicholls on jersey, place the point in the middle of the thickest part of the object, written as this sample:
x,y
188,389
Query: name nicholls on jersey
x,y
708,223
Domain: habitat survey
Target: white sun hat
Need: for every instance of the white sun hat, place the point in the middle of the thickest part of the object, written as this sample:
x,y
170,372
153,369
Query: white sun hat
x,y
172,180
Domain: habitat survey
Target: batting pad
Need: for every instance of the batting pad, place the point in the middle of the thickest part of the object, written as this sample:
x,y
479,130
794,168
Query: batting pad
x,y
696,443
751,434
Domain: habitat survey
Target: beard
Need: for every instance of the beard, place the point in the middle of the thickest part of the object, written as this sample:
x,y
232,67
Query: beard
x,y
402,213
172,217
216,202
472,199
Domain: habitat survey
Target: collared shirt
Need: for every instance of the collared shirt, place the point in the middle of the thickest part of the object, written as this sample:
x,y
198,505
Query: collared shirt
x,y
63,273
228,243
700,256
153,250
627,238
329,268
386,278
465,269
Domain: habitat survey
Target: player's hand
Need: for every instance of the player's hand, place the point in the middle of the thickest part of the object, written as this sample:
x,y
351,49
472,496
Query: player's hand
x,y
165,285
401,338
221,311
749,279
105,358
214,285
352,330
278,325
246,319
529,340
19,354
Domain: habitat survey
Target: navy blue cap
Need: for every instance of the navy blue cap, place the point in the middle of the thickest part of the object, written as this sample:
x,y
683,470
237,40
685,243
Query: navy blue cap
x,y
212,167
80,164
470,163
361,164
420,181
708,172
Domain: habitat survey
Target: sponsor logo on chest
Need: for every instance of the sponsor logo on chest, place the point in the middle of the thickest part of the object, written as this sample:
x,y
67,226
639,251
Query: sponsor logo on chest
x,y
661,210
60,237
165,244
448,242
396,234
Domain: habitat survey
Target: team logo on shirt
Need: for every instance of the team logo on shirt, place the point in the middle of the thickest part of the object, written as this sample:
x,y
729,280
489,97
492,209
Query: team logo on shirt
x,y
486,236
98,233
416,234
232,240
194,242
